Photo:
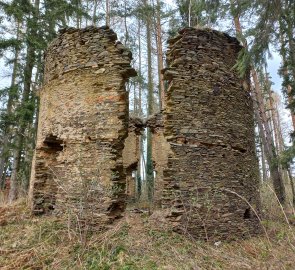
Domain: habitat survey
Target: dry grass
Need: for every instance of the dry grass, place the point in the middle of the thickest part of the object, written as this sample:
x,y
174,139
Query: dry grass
x,y
137,243
3,198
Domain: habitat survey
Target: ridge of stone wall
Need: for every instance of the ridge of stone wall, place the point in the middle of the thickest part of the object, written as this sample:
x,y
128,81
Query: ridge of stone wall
x,y
87,48
83,122
212,173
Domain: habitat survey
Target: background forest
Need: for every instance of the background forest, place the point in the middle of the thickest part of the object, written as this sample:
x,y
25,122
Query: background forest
x,y
138,242
263,27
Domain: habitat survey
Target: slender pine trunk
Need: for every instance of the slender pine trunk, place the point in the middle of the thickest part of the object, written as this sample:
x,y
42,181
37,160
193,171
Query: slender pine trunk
x,y
139,70
94,12
285,74
139,114
292,185
150,109
108,17
263,165
265,132
125,24
160,56
20,135
9,111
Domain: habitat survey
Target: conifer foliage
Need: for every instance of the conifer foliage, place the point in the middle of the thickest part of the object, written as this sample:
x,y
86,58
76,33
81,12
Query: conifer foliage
x,y
264,28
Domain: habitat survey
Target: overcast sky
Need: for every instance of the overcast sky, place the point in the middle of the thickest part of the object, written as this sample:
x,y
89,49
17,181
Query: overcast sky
x,y
273,66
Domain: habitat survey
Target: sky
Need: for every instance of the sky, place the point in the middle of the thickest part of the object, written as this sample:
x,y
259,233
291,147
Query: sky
x,y
3,74
273,66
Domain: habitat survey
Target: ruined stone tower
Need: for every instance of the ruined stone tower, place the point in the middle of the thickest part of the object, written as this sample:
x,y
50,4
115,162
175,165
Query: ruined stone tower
x,y
206,171
212,173
83,122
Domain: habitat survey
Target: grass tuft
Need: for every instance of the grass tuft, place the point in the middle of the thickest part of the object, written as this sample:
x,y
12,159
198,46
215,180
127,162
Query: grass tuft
x,y
135,242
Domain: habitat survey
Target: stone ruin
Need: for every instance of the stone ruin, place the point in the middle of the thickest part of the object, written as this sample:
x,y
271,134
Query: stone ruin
x,y
211,181
83,123
203,142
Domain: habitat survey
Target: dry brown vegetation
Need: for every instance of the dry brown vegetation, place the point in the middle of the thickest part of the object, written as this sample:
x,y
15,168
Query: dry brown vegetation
x,y
136,242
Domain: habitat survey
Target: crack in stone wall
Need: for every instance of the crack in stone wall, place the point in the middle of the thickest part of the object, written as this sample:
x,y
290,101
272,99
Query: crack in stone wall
x,y
209,125
84,105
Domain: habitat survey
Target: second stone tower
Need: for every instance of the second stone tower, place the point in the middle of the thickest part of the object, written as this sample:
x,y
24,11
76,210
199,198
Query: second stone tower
x,y
211,180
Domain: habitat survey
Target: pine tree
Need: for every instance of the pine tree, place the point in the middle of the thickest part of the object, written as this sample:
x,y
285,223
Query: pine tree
x,y
8,115
39,26
16,11
150,98
261,117
158,27
27,110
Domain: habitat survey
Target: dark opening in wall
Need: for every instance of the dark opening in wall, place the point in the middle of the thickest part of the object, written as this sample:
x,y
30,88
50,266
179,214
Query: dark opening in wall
x,y
54,143
247,214
140,175
115,211
46,172
131,182
54,147
138,184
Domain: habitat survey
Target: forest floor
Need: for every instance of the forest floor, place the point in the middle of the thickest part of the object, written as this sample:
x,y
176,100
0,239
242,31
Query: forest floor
x,y
136,242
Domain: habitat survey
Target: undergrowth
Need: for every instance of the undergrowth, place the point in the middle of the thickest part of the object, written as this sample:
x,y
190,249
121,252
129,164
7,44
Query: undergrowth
x,y
28,242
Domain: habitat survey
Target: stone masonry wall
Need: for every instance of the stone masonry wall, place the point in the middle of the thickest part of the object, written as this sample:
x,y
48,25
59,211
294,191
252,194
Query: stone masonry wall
x,y
160,151
83,122
212,173
203,147
131,155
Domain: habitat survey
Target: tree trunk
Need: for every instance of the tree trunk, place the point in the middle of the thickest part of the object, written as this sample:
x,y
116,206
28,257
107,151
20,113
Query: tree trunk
x,y
108,18
278,133
160,57
78,17
94,12
12,196
125,24
292,185
270,152
291,43
139,70
285,73
263,165
139,114
272,113
9,110
287,169
150,109
19,137
262,120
